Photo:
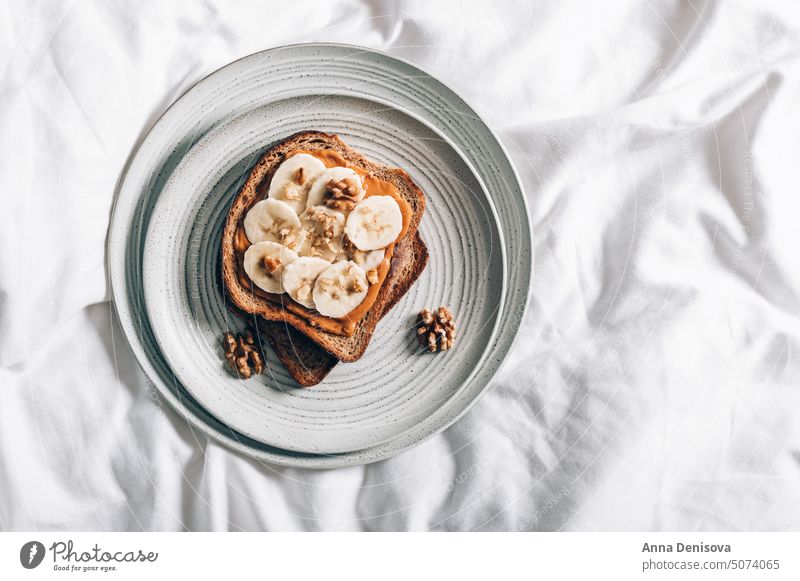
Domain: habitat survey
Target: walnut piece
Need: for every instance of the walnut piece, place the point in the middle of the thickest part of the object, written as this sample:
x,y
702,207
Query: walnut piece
x,y
243,355
372,276
352,252
304,292
294,190
286,232
436,331
349,247
323,232
293,193
271,264
340,195
356,286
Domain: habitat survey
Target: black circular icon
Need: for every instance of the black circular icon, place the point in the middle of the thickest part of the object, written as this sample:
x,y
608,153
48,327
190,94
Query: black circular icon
x,y
31,554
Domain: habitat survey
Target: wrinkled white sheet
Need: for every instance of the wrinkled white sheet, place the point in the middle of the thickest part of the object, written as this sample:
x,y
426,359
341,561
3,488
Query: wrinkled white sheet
x,y
656,382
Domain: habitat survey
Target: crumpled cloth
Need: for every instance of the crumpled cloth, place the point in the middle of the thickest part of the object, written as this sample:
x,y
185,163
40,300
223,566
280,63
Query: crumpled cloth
x,y
656,382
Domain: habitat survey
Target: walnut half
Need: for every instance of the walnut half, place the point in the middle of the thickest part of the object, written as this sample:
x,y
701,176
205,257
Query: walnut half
x,y
242,354
340,195
436,331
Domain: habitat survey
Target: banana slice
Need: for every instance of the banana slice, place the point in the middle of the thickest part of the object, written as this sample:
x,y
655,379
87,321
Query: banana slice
x,y
293,178
274,221
323,230
367,260
299,276
339,188
374,223
264,263
339,289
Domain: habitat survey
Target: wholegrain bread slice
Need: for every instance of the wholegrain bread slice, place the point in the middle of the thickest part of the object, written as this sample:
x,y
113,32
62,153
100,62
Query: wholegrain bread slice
x,y
343,348
306,361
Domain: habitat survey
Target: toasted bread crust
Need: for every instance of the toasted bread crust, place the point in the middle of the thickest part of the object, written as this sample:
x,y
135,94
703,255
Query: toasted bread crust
x,y
344,348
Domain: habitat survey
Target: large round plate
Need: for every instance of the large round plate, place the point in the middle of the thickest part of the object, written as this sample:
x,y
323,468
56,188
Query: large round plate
x,y
395,385
262,78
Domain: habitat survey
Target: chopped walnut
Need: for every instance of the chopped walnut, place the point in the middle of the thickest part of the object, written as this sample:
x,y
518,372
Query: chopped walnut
x,y
304,292
288,237
286,232
349,247
356,287
358,256
324,228
326,284
293,193
323,233
436,331
334,286
271,264
340,195
352,252
372,276
242,354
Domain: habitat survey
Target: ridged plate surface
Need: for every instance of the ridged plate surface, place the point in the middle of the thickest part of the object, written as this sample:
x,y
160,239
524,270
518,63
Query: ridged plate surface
x,y
269,76
395,385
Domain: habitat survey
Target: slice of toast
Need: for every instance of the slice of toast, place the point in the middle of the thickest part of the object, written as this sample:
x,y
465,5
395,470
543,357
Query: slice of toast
x,y
306,361
344,348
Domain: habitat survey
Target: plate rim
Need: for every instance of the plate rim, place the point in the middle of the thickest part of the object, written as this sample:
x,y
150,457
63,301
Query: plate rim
x,y
181,402
153,299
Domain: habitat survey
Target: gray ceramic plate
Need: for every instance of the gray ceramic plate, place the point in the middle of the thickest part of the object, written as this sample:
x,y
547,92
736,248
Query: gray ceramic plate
x,y
264,78
395,385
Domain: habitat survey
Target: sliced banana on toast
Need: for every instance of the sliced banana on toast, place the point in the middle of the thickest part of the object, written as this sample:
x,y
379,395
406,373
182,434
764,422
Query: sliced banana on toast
x,y
293,178
264,263
338,188
274,221
339,289
317,237
299,276
374,223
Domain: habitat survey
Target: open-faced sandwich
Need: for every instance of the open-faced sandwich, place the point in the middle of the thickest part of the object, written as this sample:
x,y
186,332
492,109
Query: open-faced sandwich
x,y
318,245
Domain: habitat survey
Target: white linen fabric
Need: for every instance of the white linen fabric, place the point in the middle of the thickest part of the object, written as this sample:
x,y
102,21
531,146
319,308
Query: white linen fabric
x,y
655,385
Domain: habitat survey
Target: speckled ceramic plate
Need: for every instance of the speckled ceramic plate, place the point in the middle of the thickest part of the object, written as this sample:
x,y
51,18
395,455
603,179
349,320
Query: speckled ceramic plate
x,y
395,385
267,77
